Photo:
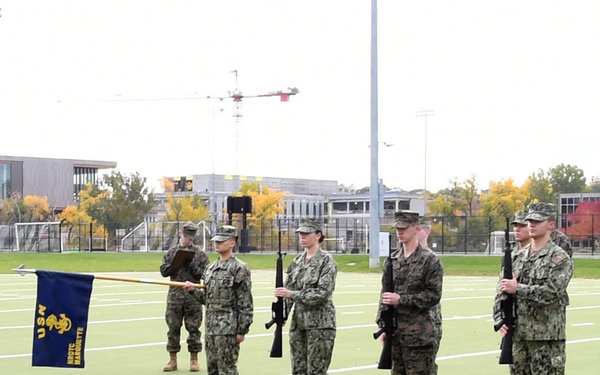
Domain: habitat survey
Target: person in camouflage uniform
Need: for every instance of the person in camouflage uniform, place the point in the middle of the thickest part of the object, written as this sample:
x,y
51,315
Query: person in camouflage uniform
x,y
559,237
309,286
418,278
562,240
229,304
520,229
436,311
542,271
181,307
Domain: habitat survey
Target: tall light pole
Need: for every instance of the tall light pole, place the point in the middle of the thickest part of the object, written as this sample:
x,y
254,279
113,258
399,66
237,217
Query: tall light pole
x,y
425,114
374,190
213,198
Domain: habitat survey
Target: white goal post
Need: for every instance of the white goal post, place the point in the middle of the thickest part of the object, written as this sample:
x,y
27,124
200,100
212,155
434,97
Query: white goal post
x,y
160,236
56,237
38,236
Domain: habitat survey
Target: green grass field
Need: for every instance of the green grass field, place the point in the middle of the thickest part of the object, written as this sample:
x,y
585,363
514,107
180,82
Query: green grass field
x,y
454,265
126,331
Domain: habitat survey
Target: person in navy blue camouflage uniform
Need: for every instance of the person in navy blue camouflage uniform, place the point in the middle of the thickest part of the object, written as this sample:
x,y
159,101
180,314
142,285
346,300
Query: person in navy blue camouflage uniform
x,y
229,304
309,287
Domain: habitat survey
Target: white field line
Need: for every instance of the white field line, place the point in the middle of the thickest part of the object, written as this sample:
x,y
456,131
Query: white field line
x,y
449,357
5,296
333,371
267,309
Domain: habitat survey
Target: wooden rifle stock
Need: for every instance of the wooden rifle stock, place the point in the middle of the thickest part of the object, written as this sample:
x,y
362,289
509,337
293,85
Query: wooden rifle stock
x,y
508,305
278,308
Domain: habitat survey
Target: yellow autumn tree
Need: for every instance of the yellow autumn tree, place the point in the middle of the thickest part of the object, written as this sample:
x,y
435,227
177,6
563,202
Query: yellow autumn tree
x,y
90,197
183,208
267,203
37,208
77,224
504,199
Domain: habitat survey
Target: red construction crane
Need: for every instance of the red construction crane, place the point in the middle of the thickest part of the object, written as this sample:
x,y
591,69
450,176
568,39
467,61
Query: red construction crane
x,y
237,96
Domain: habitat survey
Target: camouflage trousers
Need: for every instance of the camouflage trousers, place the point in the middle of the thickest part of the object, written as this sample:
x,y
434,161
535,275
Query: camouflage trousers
x,y
436,347
190,315
222,354
311,351
538,357
414,360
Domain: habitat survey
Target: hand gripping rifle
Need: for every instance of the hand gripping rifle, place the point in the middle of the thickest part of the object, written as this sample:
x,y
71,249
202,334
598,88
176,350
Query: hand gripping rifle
x,y
278,308
508,305
388,317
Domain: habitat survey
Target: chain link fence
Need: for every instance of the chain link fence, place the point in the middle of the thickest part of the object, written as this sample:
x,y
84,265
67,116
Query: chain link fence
x,y
449,235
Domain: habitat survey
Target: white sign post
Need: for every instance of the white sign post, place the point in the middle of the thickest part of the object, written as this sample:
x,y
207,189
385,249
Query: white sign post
x,y
384,244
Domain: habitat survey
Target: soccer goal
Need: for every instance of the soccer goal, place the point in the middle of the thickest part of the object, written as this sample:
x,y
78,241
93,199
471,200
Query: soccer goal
x,y
160,236
38,237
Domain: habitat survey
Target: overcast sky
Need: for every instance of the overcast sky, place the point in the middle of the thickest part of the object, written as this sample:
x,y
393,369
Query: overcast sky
x,y
514,86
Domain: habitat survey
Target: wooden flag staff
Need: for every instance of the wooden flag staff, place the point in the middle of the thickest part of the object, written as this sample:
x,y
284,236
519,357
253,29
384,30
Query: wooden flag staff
x,y
22,271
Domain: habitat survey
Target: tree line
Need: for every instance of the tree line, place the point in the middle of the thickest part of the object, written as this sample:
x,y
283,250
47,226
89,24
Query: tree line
x,y
123,201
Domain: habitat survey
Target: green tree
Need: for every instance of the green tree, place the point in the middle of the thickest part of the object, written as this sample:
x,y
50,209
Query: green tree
x,y
538,188
566,179
124,202
594,187
12,210
442,204
466,194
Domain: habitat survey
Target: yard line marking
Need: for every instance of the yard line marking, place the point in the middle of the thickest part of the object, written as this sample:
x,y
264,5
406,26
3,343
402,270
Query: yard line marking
x,y
348,369
97,322
582,324
449,357
582,308
17,298
16,310
466,355
462,317
583,340
466,298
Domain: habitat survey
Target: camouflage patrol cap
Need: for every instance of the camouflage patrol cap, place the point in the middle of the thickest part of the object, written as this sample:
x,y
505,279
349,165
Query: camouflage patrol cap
x,y
404,219
424,220
309,225
189,230
540,211
224,233
520,218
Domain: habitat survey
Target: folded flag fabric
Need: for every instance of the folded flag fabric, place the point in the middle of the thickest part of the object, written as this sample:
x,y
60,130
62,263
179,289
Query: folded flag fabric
x,y
61,316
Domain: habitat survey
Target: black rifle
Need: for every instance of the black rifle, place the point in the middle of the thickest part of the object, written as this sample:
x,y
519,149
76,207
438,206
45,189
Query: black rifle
x,y
388,318
278,308
508,305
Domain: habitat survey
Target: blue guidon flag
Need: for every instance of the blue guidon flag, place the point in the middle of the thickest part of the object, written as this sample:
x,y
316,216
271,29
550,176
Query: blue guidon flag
x,y
61,317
